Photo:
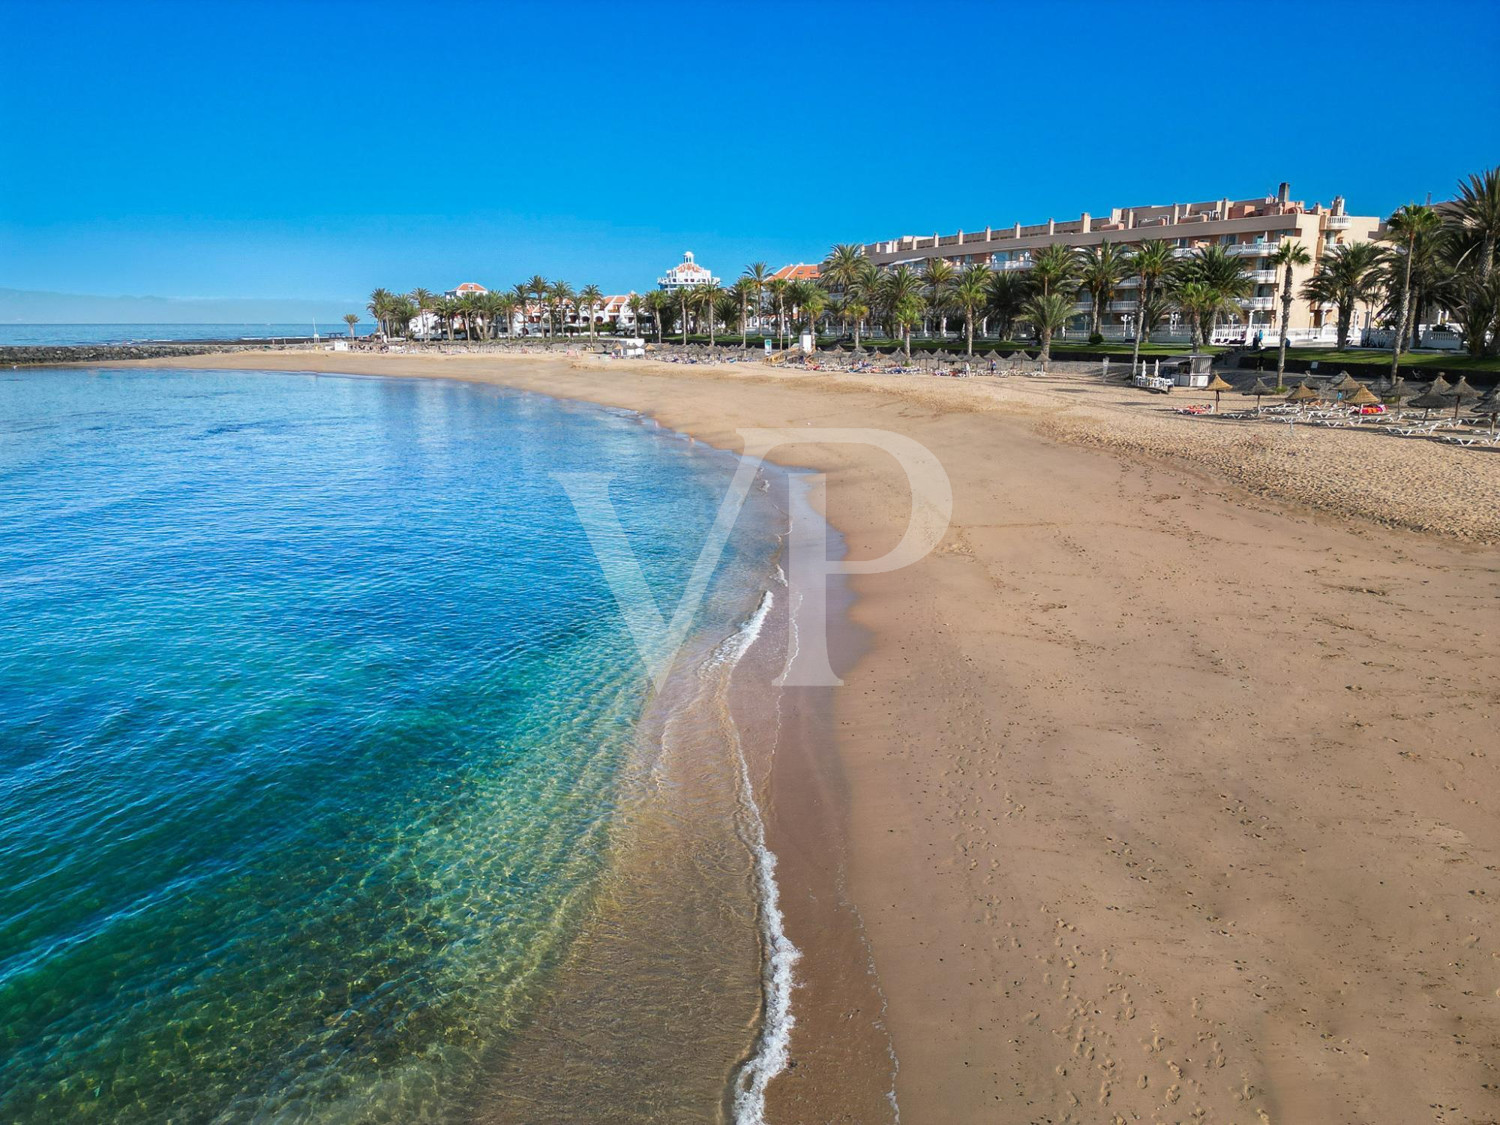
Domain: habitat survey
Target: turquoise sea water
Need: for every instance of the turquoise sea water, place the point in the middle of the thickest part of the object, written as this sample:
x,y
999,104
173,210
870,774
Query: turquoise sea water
x,y
313,703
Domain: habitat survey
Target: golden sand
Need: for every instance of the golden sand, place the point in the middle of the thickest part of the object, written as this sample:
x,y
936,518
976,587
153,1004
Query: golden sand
x,y
1171,775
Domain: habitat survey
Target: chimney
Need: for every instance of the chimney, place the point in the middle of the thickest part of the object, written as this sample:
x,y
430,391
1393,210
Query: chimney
x,y
1051,227
1130,219
1084,223
1284,193
1176,213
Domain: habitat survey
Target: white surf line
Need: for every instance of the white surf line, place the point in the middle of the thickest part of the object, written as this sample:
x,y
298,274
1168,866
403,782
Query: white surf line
x,y
772,1051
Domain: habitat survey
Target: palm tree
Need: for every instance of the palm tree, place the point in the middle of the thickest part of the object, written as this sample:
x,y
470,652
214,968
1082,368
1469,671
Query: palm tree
x,y
759,276
1289,255
1101,270
447,309
658,302
728,307
863,295
708,303
685,298
1471,228
1047,313
351,319
401,311
778,290
1054,269
841,269
900,292
1218,270
811,300
1476,215
1346,275
1152,264
743,289
972,293
525,298
1408,228
939,277
635,304
379,306
423,299
505,311
1007,297
588,300
559,296
1200,302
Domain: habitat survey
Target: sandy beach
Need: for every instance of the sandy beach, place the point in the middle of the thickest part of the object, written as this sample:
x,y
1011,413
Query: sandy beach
x,y
1166,786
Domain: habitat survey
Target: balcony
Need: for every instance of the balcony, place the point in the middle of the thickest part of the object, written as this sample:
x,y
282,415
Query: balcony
x,y
1258,304
1023,264
1263,277
1123,306
1338,222
1253,249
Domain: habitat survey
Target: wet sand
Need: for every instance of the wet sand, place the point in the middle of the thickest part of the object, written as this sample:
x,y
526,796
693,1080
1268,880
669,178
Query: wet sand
x,y
1168,790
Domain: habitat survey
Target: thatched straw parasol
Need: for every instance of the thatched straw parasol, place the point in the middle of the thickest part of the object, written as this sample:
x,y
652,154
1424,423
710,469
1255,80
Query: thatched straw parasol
x,y
1431,399
1363,397
1260,390
1218,386
1490,404
1461,393
1304,392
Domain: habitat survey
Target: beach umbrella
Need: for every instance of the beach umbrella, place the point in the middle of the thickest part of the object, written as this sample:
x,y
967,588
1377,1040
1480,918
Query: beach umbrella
x,y
1218,386
1303,392
1490,404
1347,383
1461,393
1363,397
1260,390
1440,385
1430,400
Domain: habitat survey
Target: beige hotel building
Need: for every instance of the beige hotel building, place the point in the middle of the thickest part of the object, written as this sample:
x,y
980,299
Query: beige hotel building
x,y
1252,228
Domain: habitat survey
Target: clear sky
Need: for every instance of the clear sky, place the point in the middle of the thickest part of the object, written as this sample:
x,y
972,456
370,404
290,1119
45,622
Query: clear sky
x,y
318,150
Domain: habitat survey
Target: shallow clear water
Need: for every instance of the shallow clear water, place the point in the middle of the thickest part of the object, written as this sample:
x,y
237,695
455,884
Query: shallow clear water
x,y
313,711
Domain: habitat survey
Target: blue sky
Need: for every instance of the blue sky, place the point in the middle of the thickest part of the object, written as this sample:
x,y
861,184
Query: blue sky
x,y
318,150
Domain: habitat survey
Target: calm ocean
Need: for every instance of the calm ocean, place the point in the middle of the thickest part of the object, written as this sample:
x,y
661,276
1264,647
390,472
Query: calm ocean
x,y
321,736
48,335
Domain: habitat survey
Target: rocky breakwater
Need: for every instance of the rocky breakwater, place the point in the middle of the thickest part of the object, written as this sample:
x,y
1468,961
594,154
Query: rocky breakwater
x,y
35,356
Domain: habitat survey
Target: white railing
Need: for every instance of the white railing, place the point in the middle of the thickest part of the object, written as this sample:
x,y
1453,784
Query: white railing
x,y
1258,304
1014,264
1123,306
1339,222
1253,249
1263,277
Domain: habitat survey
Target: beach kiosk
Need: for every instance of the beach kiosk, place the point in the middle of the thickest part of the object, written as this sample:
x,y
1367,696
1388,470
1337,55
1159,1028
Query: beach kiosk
x,y
633,346
1176,371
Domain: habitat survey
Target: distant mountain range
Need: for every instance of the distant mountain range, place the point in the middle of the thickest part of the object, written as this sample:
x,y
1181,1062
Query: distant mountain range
x,y
30,306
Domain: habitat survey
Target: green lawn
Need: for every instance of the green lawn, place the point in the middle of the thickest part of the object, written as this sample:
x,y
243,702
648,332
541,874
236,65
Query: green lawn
x,y
1444,361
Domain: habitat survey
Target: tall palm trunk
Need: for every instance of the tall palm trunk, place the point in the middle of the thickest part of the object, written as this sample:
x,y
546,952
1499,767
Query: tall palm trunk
x,y
684,318
744,322
1046,354
857,323
1399,337
1286,319
1096,316
1143,298
969,331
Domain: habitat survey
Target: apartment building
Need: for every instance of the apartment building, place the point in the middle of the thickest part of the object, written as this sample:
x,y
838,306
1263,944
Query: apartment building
x,y
1251,228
